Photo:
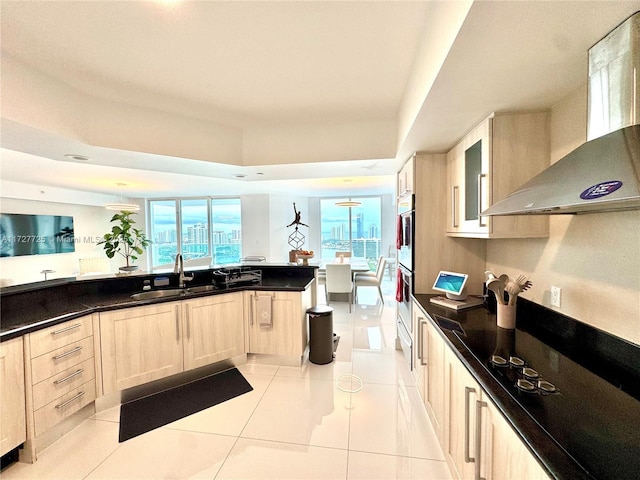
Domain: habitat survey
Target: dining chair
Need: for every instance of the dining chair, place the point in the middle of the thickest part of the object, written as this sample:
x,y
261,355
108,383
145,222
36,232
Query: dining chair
x,y
343,254
391,260
339,280
371,279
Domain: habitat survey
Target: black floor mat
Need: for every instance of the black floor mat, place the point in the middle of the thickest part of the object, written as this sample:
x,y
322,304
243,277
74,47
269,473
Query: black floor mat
x,y
144,414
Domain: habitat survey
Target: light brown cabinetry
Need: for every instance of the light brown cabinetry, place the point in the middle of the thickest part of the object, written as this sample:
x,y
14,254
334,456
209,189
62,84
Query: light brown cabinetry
x,y
286,335
213,329
61,372
461,395
433,249
490,162
405,183
13,431
143,344
429,368
140,344
479,442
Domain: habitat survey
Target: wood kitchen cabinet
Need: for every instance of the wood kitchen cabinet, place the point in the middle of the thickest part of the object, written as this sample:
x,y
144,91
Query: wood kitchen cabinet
x,y
479,442
13,430
433,249
143,344
429,368
461,394
287,334
490,162
405,184
60,375
419,324
213,329
140,344
503,456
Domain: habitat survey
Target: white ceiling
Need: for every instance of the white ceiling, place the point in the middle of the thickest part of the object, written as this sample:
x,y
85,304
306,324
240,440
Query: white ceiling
x,y
246,65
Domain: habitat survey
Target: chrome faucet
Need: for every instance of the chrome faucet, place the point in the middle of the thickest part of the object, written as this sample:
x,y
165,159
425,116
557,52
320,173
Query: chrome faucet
x,y
178,268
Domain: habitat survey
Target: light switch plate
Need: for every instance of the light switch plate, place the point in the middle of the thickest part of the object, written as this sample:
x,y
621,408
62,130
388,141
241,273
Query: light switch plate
x,y
556,296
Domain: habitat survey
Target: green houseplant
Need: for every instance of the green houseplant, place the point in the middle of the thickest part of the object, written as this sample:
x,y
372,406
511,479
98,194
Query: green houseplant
x,y
124,239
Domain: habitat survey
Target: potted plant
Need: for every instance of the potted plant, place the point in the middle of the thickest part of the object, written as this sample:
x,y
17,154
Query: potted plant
x,y
124,239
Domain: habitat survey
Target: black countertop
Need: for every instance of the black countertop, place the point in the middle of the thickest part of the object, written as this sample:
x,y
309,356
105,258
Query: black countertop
x,y
27,308
589,428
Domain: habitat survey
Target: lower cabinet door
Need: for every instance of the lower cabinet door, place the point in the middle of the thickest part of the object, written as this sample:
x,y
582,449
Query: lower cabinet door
x,y
502,453
213,329
140,345
461,395
282,335
12,395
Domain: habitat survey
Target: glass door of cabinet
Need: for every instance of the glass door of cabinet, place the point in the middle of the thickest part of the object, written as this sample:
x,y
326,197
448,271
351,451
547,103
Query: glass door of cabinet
x,y
474,195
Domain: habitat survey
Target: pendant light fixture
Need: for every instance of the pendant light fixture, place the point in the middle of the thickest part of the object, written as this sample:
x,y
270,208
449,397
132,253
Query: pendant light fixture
x,y
119,203
348,203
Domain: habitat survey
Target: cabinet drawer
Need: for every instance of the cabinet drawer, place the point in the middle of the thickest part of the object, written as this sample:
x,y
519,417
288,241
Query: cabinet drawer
x,y
65,406
57,336
62,383
56,361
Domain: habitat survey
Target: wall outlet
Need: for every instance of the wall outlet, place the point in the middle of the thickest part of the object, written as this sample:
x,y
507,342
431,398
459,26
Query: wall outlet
x,y
556,296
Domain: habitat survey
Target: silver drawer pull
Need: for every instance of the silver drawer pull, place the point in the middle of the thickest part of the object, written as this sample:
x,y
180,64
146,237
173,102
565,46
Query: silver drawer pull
x,y
66,329
65,354
72,399
68,377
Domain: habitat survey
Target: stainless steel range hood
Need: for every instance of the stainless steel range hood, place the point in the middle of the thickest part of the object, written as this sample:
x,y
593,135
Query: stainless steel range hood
x,y
604,173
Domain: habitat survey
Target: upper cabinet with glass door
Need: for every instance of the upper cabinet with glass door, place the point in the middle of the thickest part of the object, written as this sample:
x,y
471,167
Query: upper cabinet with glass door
x,y
490,162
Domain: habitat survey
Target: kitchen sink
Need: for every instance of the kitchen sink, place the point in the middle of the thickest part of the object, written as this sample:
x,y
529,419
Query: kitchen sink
x,y
202,288
171,292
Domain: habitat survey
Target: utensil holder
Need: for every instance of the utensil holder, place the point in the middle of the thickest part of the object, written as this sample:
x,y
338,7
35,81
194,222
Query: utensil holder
x,y
506,316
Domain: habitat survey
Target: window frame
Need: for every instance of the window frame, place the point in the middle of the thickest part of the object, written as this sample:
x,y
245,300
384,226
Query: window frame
x,y
179,221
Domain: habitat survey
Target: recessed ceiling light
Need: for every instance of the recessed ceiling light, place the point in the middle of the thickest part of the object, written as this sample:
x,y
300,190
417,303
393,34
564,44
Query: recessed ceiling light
x,y
78,158
239,175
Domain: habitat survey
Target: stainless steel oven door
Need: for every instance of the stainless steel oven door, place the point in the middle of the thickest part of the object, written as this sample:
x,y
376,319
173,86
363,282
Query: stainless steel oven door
x,y
406,343
404,306
405,250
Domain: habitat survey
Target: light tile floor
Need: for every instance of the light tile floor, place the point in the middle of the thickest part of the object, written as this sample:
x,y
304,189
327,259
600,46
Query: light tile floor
x,y
297,423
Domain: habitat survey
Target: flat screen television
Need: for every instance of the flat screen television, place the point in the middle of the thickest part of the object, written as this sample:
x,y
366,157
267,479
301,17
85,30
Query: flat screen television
x,y
22,234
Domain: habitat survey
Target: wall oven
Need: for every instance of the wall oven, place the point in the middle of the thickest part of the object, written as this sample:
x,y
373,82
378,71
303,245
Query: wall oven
x,y
405,231
404,288
405,284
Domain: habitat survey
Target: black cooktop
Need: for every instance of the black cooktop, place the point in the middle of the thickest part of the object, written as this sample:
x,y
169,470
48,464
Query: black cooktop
x,y
596,421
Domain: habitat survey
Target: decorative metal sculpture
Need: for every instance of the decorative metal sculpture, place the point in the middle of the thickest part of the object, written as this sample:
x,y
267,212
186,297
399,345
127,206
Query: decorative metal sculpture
x,y
296,239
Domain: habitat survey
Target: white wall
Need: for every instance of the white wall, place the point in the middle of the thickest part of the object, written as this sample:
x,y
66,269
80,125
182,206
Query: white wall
x,y
264,227
594,258
90,224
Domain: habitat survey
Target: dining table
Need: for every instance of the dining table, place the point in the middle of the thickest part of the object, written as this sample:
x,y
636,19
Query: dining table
x,y
358,264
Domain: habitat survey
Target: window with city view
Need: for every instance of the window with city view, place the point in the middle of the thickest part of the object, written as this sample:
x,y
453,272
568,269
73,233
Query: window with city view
x,y
354,229
183,226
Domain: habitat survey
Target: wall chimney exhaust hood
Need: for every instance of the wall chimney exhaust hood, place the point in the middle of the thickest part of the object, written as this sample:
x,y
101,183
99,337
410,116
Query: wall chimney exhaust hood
x,y
604,173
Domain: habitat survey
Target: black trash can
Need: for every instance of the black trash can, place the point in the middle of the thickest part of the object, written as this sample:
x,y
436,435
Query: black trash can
x,y
320,334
